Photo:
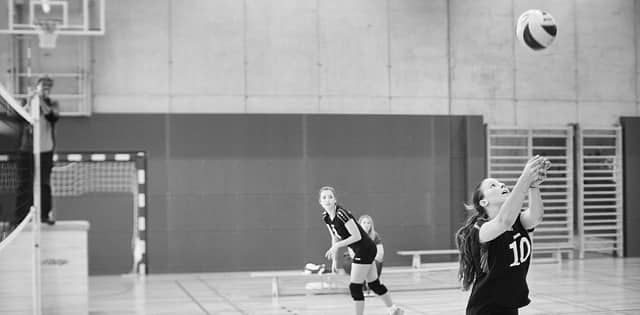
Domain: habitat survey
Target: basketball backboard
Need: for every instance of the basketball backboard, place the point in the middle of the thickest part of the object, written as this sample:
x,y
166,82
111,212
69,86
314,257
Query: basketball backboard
x,y
38,45
72,17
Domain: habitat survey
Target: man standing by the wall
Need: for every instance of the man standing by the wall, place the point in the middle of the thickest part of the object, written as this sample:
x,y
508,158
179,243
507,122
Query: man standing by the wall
x,y
49,114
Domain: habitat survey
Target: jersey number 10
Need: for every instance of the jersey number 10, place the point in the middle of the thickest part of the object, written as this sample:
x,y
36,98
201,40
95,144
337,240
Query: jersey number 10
x,y
520,253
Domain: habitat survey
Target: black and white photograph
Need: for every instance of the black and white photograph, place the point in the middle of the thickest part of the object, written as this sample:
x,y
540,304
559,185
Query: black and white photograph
x,y
319,157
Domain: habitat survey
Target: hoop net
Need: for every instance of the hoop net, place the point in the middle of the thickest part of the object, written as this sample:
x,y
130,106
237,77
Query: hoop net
x,y
47,32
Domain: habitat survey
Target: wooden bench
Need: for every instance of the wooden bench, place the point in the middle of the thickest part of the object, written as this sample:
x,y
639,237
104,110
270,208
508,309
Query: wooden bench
x,y
327,277
556,251
416,261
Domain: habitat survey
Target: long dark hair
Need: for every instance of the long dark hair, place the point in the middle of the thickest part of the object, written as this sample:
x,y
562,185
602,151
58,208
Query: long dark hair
x,y
467,272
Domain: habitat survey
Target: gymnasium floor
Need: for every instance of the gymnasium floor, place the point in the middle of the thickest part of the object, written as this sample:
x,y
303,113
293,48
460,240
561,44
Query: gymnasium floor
x,y
589,286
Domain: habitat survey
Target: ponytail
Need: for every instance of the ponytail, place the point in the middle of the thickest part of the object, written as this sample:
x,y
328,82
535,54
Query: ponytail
x,y
467,272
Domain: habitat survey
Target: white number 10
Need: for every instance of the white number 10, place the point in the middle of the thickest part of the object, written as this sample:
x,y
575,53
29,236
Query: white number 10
x,y
525,251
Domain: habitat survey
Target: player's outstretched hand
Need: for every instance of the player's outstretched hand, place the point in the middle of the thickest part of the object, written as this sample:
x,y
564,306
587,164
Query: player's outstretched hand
x,y
542,173
531,170
331,253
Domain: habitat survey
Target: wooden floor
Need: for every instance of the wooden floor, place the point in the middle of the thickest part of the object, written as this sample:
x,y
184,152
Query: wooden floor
x,y
590,286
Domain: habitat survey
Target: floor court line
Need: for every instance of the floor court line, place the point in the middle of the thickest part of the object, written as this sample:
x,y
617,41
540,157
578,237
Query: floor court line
x,y
222,296
598,286
192,297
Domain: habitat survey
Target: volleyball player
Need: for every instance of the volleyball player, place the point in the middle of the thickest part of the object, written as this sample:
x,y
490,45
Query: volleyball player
x,y
345,231
495,247
366,222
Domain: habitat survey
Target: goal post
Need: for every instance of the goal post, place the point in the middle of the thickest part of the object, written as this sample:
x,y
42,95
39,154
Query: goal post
x,y
79,173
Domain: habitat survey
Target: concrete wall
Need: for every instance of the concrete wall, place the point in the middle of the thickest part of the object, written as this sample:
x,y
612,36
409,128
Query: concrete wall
x,y
369,56
433,57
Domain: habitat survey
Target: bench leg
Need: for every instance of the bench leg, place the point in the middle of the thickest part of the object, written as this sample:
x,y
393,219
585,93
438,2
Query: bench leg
x,y
415,262
275,287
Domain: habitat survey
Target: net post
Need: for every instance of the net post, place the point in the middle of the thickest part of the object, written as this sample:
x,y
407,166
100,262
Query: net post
x,y
37,272
140,220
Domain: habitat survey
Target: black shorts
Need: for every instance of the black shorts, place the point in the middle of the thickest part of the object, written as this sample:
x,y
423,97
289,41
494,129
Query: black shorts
x,y
364,255
491,309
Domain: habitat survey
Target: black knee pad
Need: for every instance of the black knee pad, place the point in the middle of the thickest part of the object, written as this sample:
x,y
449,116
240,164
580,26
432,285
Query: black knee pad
x,y
378,287
356,291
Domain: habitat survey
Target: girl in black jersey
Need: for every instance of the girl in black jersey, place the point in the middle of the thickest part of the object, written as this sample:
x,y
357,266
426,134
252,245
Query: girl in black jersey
x,y
366,222
345,231
495,247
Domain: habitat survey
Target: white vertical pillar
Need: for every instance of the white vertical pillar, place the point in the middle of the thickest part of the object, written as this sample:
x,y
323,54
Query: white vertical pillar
x,y
37,277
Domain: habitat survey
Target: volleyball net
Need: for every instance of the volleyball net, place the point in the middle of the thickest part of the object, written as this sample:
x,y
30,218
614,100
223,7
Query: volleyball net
x,y
16,171
17,190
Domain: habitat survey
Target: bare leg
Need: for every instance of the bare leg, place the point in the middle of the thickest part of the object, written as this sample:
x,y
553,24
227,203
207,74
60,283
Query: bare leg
x,y
372,276
359,307
359,272
386,298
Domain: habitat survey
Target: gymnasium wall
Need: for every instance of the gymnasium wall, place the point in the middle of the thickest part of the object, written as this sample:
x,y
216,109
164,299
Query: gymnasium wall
x,y
239,192
163,64
110,217
455,57
631,158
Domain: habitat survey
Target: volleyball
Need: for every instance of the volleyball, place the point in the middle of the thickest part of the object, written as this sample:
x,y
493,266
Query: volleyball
x,y
536,29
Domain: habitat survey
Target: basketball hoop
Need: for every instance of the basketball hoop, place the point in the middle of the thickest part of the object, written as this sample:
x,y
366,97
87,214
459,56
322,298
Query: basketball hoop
x,y
47,32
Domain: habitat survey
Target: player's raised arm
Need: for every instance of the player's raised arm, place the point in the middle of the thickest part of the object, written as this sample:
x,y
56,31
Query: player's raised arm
x,y
509,210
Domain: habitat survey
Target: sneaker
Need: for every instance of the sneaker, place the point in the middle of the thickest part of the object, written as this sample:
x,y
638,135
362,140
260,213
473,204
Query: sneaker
x,y
396,311
313,268
48,221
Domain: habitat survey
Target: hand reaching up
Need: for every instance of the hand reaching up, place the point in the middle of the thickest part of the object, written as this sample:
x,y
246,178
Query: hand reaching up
x,y
542,173
532,169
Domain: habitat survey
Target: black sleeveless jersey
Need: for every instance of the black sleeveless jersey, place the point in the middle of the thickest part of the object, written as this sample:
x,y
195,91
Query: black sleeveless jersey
x,y
338,228
505,282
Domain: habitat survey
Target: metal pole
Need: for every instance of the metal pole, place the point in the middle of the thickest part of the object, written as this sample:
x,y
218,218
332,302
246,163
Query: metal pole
x,y
570,186
619,173
37,277
580,187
